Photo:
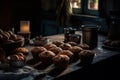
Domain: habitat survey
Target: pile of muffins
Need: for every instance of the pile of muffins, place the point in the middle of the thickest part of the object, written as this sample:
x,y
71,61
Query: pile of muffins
x,y
7,37
18,58
112,43
9,41
62,54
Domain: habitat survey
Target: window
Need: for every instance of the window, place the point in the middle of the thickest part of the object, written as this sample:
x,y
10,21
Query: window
x,y
76,5
93,4
89,7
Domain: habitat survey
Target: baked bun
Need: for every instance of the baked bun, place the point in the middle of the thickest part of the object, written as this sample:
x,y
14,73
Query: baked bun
x,y
72,43
68,53
61,61
65,46
115,43
17,60
86,57
22,50
49,45
57,43
75,50
84,46
17,57
36,51
56,50
46,57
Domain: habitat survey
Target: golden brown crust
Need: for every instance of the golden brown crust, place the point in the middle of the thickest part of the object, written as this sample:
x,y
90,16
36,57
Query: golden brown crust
x,y
17,57
75,49
56,50
86,53
61,61
84,46
49,45
57,43
23,50
46,57
65,46
37,50
72,43
47,54
66,52
86,57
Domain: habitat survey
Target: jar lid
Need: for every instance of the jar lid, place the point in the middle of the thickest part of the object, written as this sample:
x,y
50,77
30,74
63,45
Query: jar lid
x,y
89,27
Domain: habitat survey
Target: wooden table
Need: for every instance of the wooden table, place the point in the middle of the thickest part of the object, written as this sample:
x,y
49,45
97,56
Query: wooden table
x,y
101,54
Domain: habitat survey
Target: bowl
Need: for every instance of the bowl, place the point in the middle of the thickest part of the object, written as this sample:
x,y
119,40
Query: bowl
x,y
10,46
17,63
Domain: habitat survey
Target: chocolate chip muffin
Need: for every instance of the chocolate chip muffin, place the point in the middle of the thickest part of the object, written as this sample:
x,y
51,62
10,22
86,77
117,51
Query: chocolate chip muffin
x,y
84,46
49,45
68,53
56,50
61,61
23,50
65,46
57,43
75,50
36,51
46,57
86,57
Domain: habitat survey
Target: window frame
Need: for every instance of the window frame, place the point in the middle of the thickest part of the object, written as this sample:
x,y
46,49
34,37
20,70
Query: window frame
x,y
84,9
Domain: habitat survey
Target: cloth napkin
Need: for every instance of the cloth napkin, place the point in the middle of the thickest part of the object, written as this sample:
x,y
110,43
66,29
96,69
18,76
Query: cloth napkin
x,y
25,73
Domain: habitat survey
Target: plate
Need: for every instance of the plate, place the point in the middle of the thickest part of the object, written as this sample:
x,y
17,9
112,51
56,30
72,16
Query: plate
x,y
110,47
39,42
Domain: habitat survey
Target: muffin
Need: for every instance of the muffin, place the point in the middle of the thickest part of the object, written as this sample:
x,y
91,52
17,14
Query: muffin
x,y
18,56
23,50
68,53
75,50
84,46
61,61
49,45
72,43
56,50
86,57
46,57
17,60
115,43
57,43
36,51
65,46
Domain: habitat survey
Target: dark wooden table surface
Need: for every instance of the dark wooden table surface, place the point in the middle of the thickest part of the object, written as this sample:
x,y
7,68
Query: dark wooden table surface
x,y
51,73
101,54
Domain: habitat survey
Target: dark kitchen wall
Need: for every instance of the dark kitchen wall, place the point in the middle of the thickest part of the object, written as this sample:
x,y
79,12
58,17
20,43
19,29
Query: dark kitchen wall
x,y
12,11
27,10
42,14
6,17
